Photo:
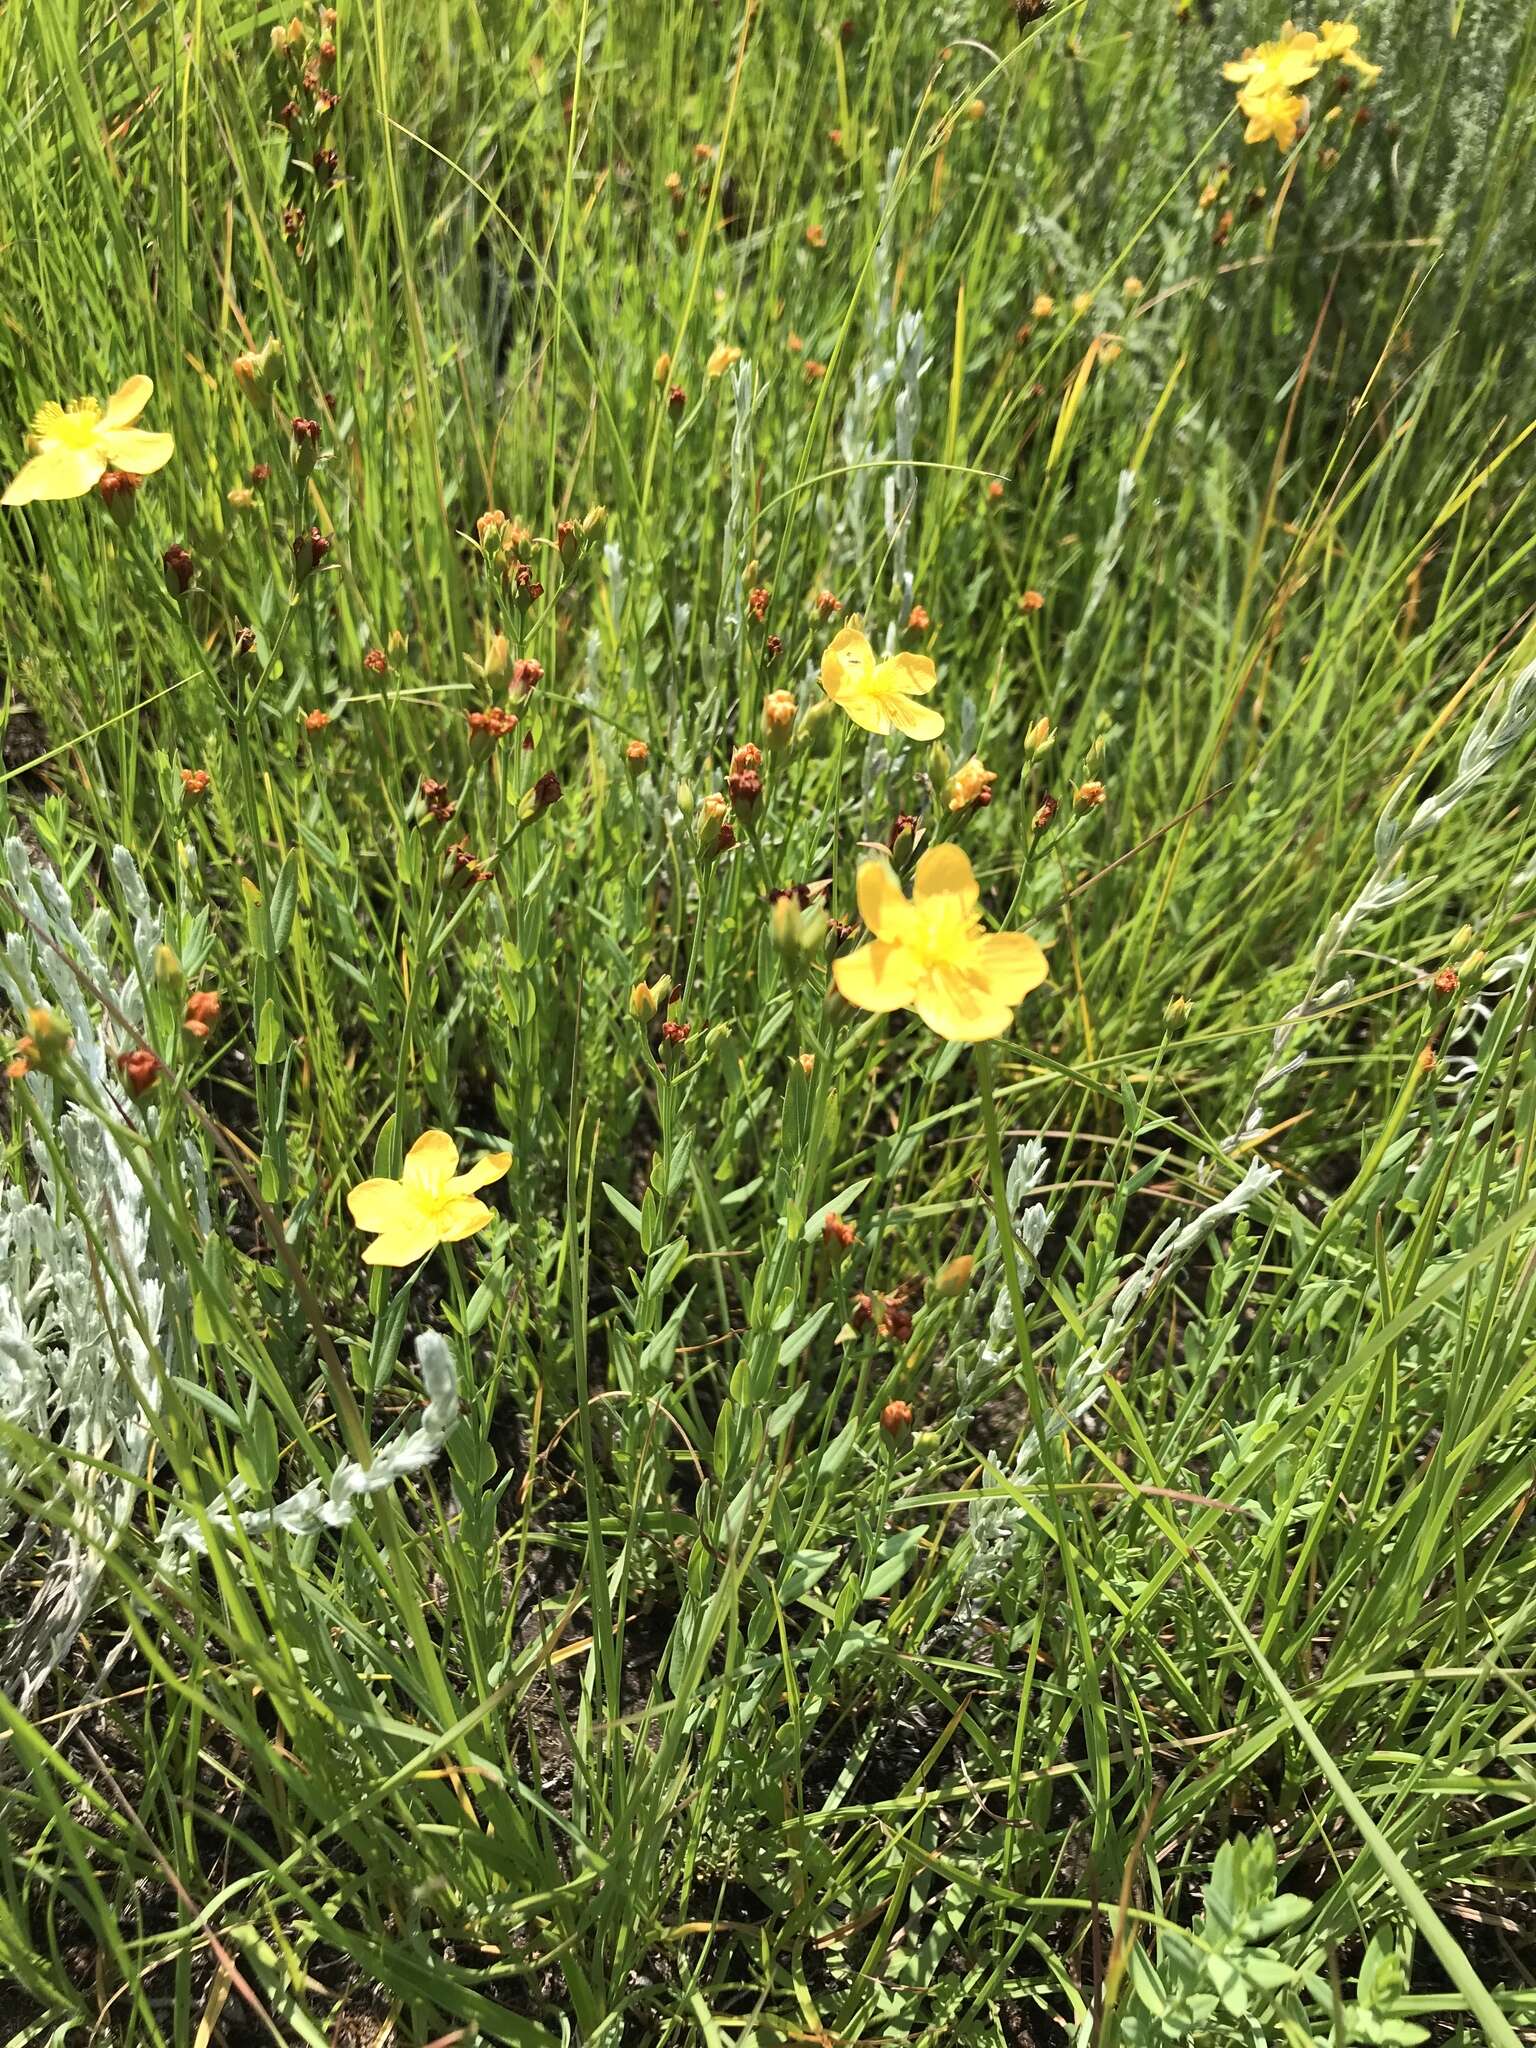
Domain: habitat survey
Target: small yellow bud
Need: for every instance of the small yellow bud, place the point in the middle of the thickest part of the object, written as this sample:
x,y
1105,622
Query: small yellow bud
x,y
1039,737
779,709
951,1280
642,1004
50,1035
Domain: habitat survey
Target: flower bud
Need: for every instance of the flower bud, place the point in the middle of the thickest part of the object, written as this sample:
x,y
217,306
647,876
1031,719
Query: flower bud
x,y
49,1035
838,1237
201,1013
309,551
896,1418
814,728
779,709
118,491
179,570
745,780
952,1279
256,373
712,831
140,1069
642,1003
543,796
798,934
167,970
636,755
903,835
1039,737
305,445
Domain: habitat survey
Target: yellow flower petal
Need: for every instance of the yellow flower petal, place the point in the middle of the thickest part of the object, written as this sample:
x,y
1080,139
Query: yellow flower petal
x,y
848,660
869,712
431,1162
383,1205
913,674
877,977
127,402
491,1167
132,449
946,871
881,903
402,1247
1011,964
960,1006
60,473
913,721
461,1217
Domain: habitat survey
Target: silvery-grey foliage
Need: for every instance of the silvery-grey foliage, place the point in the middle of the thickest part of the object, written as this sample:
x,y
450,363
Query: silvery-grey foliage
x,y
997,1522
315,1507
82,1298
1504,722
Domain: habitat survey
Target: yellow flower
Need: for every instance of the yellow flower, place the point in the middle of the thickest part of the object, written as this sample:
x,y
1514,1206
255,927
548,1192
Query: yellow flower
x,y
1335,37
722,360
878,695
1290,61
933,955
1274,117
1267,79
1044,306
432,1203
73,447
970,783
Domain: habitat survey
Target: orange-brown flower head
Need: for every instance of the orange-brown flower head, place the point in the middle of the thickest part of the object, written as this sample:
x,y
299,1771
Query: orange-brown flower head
x,y
316,721
896,1418
526,674
119,489
309,551
1031,601
745,780
1049,806
838,1237
918,621
757,601
194,784
1089,796
543,796
179,570
827,606
636,755
439,806
492,724
376,661
139,1069
201,1013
